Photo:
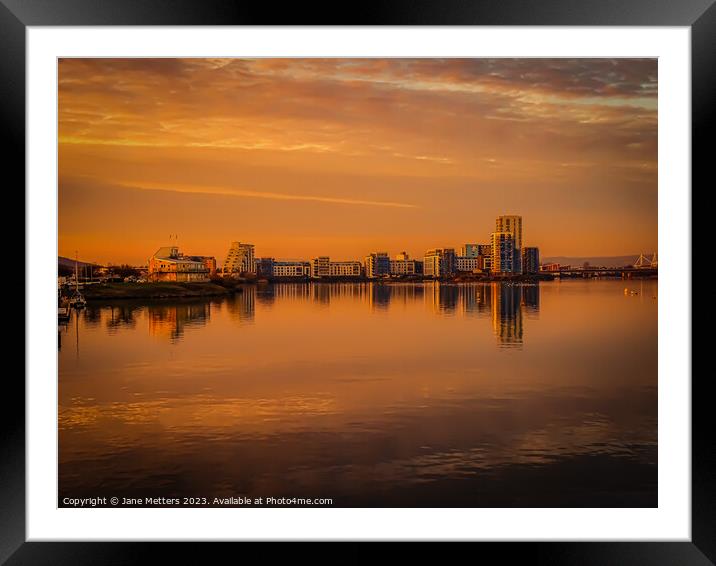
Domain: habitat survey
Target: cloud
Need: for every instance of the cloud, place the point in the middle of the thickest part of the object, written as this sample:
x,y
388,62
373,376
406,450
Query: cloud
x,y
233,192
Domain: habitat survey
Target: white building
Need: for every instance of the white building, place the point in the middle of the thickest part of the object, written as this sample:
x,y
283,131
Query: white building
x,y
291,269
321,266
344,268
239,259
168,264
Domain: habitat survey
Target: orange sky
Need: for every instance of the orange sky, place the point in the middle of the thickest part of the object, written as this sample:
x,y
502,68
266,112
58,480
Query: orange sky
x,y
342,157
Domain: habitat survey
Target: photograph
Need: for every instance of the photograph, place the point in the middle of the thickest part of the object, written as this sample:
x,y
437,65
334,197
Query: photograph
x,y
374,282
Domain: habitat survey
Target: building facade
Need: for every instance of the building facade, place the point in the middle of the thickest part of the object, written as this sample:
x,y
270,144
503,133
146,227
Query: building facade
x,y
512,224
291,269
168,264
470,250
377,265
264,266
345,268
321,266
208,261
439,262
469,264
400,267
503,253
530,260
239,259
403,265
483,251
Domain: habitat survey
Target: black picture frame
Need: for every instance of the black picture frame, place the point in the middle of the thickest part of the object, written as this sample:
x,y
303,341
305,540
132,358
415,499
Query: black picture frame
x,y
16,15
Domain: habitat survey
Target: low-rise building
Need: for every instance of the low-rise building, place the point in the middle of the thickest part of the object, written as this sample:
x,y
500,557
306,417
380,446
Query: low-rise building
x,y
322,266
168,264
345,268
469,264
291,269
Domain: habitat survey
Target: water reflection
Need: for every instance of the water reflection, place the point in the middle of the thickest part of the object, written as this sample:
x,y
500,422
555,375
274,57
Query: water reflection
x,y
505,304
242,306
171,321
374,394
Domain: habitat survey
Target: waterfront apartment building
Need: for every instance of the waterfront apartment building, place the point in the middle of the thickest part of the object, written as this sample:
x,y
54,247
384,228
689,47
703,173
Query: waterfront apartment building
x,y
291,269
168,264
403,265
377,265
503,253
512,224
530,260
239,259
345,268
439,262
469,264
321,266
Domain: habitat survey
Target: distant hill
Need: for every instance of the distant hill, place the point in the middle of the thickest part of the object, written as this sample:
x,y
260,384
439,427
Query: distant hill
x,y
607,261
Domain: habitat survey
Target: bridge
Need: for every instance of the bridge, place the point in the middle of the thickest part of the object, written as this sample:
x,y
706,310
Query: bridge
x,y
642,267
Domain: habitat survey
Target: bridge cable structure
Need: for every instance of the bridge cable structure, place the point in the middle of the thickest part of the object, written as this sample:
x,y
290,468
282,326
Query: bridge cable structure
x,y
643,263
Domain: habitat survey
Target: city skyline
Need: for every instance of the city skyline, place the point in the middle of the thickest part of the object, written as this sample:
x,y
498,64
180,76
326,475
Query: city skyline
x,y
340,157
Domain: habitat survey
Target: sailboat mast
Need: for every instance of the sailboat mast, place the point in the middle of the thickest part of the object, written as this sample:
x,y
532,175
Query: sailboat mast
x,y
77,286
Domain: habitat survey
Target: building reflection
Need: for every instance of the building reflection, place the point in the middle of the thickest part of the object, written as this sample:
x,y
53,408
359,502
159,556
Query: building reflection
x,y
507,313
530,300
380,296
171,321
242,305
506,305
117,316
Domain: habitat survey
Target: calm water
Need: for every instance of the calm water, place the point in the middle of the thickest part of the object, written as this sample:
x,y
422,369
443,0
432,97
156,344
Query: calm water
x,y
371,395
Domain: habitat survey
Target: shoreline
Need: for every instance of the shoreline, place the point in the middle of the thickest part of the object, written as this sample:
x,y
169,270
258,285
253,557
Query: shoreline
x,y
174,290
165,290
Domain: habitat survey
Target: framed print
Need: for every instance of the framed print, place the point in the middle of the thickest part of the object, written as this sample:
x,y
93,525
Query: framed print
x,y
422,275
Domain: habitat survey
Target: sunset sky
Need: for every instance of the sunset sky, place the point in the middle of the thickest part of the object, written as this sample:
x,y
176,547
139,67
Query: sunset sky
x,y
341,157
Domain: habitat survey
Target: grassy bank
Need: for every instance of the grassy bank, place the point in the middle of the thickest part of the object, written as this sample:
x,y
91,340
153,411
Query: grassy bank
x,y
153,290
